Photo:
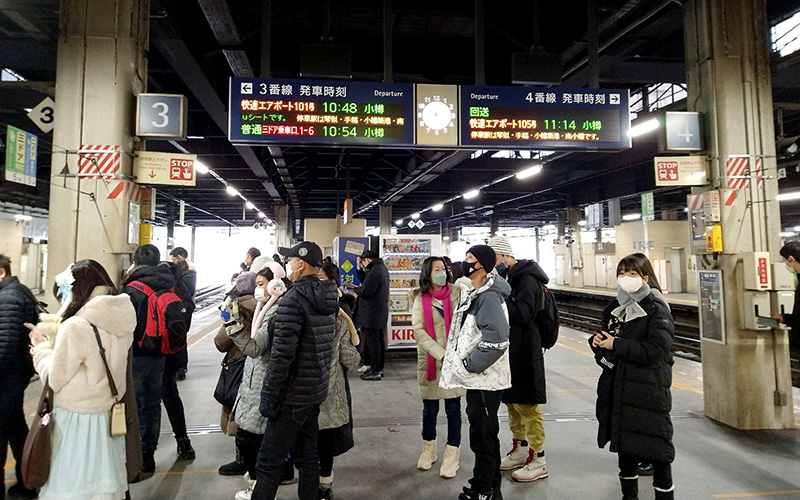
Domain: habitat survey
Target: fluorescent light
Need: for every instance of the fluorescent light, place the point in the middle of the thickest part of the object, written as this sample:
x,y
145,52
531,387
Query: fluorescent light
x,y
232,191
581,222
195,137
788,196
471,194
787,234
686,209
797,228
446,238
632,217
415,215
22,217
643,128
528,172
437,207
200,168
28,110
250,205
262,215
399,222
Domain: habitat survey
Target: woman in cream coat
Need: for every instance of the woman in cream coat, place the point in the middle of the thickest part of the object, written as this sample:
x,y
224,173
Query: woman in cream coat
x,y
87,463
431,315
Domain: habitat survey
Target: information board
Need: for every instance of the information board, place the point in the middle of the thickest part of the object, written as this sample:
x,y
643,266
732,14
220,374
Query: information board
x,y
21,156
712,306
281,111
544,118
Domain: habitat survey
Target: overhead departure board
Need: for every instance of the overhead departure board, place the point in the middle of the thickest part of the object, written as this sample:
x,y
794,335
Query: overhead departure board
x,y
280,111
544,118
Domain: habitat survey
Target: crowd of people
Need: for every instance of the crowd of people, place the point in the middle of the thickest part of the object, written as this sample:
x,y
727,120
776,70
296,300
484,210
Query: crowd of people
x,y
294,335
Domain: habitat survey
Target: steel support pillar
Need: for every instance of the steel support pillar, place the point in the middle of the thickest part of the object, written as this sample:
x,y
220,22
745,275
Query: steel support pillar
x,y
728,72
575,248
283,230
386,219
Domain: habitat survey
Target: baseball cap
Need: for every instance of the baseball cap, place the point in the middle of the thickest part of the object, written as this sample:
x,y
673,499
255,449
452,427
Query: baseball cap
x,y
307,251
369,254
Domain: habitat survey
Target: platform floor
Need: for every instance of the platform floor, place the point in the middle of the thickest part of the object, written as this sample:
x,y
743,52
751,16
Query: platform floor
x,y
677,298
713,461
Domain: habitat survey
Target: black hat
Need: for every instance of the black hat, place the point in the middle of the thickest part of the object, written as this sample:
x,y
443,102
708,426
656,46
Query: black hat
x,y
369,254
307,251
485,255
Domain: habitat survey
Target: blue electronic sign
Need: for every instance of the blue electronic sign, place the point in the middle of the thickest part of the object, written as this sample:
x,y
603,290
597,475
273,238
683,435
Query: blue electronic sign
x,y
281,111
544,118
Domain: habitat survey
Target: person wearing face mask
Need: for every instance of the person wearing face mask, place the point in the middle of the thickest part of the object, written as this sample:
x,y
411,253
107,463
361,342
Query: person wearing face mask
x,y
296,381
372,312
528,388
633,392
476,359
790,252
431,317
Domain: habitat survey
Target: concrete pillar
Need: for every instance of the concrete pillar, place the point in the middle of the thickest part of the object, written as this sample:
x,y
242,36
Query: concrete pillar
x,y
101,68
386,221
575,248
494,224
727,63
283,231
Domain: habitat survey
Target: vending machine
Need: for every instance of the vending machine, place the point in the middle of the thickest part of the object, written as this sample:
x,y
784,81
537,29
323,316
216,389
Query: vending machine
x,y
403,256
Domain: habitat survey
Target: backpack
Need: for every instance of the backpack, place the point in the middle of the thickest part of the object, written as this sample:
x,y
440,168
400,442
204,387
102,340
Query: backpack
x,y
547,320
167,320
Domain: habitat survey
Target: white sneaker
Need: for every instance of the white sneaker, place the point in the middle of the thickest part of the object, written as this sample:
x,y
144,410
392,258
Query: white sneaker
x,y
535,469
363,369
244,495
516,458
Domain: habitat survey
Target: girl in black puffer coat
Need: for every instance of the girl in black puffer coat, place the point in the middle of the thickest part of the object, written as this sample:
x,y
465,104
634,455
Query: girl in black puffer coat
x,y
633,393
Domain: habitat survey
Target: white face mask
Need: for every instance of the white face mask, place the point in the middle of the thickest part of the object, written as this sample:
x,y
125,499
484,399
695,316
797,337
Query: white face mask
x,y
259,295
630,284
790,267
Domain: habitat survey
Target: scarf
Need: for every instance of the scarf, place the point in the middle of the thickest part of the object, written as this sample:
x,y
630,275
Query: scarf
x,y
427,311
629,308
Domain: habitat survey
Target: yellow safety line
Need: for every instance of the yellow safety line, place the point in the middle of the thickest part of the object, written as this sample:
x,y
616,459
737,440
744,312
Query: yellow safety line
x,y
757,494
197,338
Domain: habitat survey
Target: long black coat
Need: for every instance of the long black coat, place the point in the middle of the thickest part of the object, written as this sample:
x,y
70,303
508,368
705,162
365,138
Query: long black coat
x,y
633,397
17,306
525,349
372,306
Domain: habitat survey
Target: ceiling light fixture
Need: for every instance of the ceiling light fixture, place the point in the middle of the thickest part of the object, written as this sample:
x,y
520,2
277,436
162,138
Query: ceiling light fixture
x,y
262,215
415,215
446,238
200,168
788,196
471,194
643,128
399,222
632,217
787,234
232,190
437,207
250,205
581,223
195,137
529,172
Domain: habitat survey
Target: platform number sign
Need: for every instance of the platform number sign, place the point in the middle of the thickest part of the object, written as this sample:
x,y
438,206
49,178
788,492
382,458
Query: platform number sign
x,y
683,131
161,115
43,115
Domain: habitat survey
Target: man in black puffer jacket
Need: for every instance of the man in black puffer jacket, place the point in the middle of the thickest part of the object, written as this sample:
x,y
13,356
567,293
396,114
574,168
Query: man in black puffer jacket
x,y
296,382
17,307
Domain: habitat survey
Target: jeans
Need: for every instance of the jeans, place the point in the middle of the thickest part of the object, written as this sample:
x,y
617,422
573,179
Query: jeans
x,y
375,346
430,410
662,471
484,441
148,379
293,429
170,396
527,423
13,429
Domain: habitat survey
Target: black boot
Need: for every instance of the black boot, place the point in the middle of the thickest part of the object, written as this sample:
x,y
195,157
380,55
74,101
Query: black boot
x,y
20,491
235,468
148,467
185,450
665,495
630,487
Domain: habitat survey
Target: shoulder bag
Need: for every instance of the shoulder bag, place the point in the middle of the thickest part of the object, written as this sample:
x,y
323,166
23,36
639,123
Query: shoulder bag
x,y
116,416
230,378
38,448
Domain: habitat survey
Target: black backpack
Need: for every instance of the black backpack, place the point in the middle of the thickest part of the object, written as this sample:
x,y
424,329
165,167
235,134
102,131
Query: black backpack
x,y
547,319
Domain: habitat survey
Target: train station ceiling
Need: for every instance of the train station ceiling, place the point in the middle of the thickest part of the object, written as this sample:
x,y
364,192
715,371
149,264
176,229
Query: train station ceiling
x,y
197,45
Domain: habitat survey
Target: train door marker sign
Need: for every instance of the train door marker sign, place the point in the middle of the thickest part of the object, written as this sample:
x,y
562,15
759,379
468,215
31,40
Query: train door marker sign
x,y
43,115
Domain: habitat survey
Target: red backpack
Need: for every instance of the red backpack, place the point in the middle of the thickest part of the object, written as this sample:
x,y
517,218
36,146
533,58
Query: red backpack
x,y
167,320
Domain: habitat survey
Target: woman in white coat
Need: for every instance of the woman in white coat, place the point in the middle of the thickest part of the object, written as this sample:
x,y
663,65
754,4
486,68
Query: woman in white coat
x,y
87,463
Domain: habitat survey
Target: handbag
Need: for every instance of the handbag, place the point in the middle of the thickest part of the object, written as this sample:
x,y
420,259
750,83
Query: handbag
x,y
116,415
230,377
38,448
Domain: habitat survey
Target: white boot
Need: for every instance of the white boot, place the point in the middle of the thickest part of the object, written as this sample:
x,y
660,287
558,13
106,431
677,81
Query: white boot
x,y
517,457
428,456
535,469
450,462
248,493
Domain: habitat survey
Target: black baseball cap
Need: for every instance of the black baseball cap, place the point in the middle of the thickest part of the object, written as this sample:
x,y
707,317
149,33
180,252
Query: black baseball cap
x,y
369,254
307,251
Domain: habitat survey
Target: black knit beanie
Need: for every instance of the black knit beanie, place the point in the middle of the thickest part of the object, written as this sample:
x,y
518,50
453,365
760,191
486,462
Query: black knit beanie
x,y
485,256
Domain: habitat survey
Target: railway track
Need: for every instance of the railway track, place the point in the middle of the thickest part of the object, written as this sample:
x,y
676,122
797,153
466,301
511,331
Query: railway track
x,y
583,311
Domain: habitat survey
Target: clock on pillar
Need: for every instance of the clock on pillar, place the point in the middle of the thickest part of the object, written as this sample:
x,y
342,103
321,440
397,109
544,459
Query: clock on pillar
x,y
437,115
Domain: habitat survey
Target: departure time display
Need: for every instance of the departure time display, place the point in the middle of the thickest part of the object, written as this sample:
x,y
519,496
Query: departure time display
x,y
320,112
546,118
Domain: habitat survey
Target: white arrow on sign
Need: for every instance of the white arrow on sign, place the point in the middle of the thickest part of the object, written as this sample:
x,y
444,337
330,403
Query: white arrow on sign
x,y
44,115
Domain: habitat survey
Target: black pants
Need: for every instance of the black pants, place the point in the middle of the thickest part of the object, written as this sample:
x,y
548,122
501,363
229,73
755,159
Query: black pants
x,y
170,395
375,347
13,429
484,439
293,429
248,444
662,471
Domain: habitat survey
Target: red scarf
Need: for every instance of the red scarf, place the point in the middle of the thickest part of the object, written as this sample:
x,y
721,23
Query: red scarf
x,y
427,311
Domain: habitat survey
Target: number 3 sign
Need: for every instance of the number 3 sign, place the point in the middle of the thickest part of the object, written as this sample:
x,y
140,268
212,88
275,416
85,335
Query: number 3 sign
x,y
161,115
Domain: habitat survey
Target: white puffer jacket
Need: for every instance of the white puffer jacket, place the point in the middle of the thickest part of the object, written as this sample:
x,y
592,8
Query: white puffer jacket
x,y
73,366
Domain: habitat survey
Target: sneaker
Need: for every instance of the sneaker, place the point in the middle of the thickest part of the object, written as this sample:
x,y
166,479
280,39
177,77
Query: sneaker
x,y
517,457
232,469
372,375
244,494
534,469
470,494
363,369
20,491
428,456
185,450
